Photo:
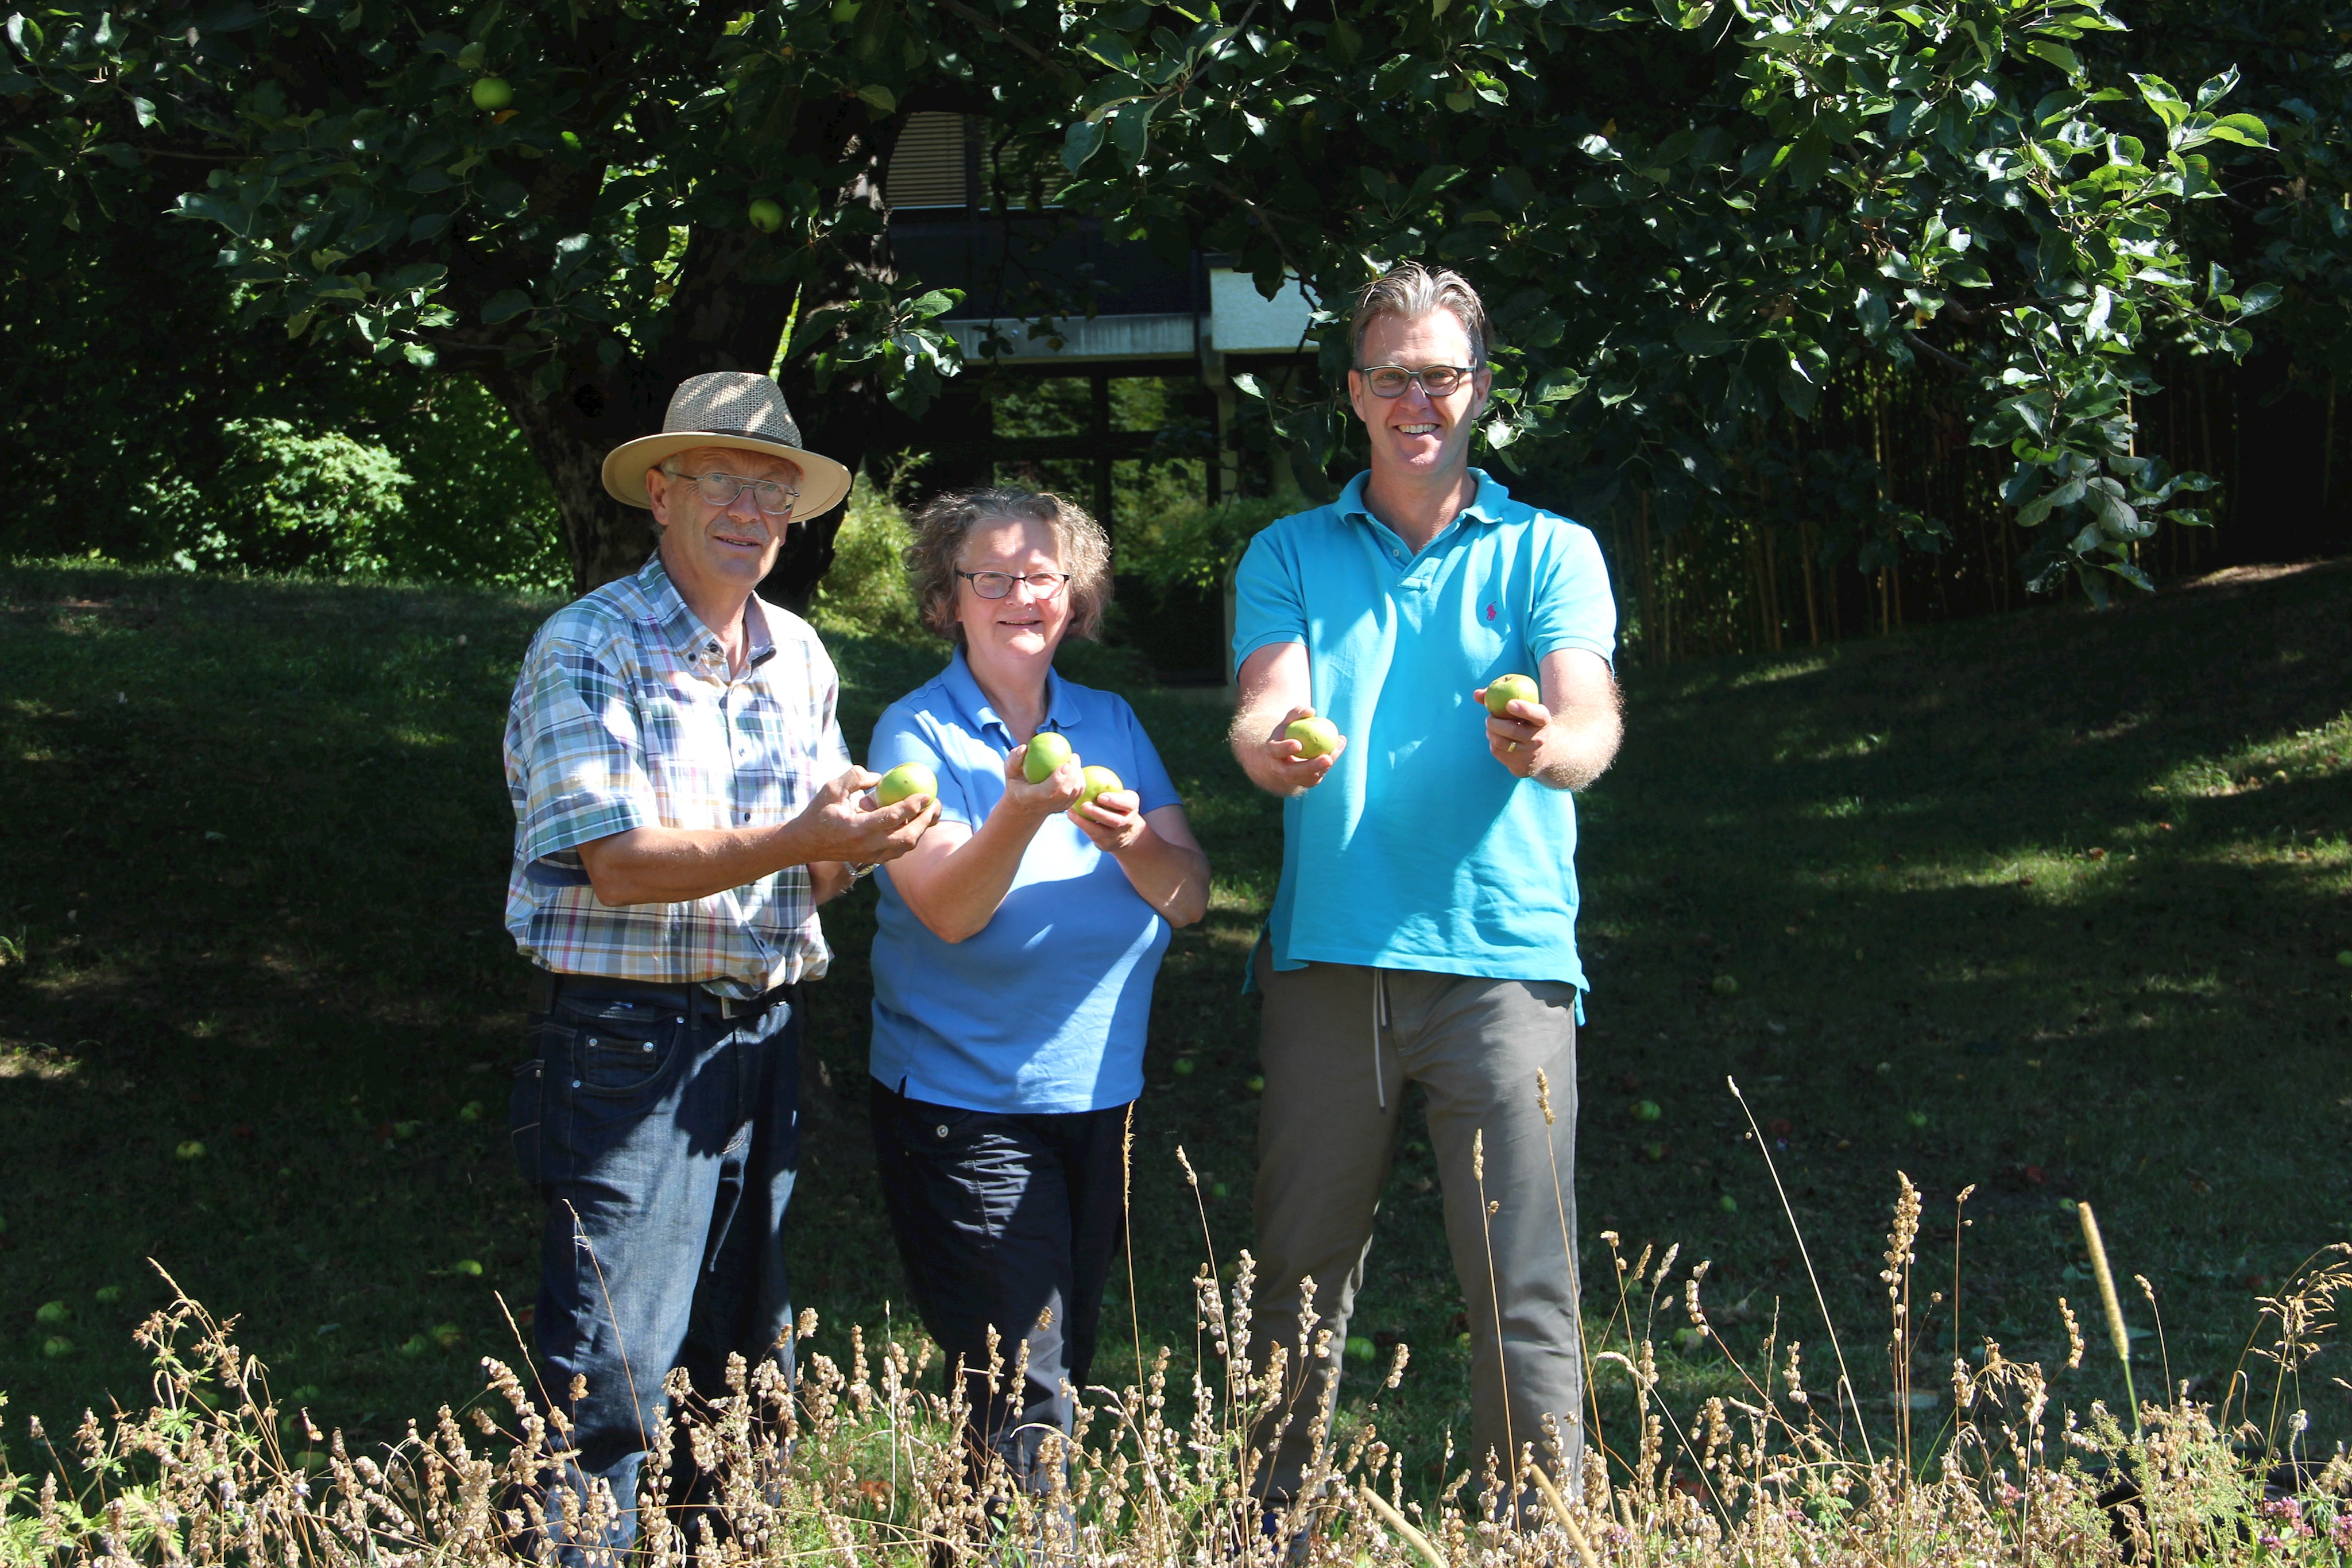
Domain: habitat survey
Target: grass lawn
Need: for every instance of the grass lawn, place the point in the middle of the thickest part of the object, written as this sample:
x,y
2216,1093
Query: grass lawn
x,y
2048,904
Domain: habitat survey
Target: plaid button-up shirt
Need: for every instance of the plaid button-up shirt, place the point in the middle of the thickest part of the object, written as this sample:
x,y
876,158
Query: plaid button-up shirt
x,y
626,716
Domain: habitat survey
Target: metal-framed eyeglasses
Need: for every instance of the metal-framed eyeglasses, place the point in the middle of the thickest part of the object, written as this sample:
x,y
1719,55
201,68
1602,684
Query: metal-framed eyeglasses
x,y
775,499
1437,380
998,584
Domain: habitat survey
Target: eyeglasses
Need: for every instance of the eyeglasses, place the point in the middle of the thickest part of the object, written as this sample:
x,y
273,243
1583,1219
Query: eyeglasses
x,y
997,584
721,490
1437,380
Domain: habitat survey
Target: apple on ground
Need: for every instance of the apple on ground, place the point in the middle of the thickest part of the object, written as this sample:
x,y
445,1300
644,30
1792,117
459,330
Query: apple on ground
x,y
1646,1111
1728,1203
1184,1067
1047,751
1099,781
52,1314
57,1347
192,1149
1505,690
1256,1085
1316,736
1725,986
2345,958
907,779
1361,1349
108,1295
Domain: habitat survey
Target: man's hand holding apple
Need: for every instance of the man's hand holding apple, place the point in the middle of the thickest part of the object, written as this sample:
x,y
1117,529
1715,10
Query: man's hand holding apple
x,y
1514,735
1291,761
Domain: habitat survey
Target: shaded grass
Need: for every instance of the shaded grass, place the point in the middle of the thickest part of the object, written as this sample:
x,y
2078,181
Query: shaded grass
x,y
252,854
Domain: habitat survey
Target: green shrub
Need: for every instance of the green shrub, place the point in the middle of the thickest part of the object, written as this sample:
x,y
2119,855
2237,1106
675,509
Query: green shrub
x,y
866,591
1198,546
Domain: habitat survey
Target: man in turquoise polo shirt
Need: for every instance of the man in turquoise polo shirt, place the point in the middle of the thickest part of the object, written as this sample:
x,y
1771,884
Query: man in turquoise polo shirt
x,y
1424,931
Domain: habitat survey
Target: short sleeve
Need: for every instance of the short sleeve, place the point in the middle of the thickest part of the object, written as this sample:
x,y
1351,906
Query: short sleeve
x,y
1573,607
1268,604
1151,784
578,754
904,734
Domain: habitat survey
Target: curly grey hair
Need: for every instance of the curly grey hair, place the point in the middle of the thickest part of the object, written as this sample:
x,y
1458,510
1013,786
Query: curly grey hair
x,y
1413,292
945,521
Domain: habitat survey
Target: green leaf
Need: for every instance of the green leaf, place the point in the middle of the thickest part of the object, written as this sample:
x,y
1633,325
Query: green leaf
x,y
1703,339
1080,142
2245,130
879,98
2056,53
504,306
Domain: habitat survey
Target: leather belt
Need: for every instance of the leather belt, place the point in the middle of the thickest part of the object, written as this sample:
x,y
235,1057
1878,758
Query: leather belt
x,y
547,986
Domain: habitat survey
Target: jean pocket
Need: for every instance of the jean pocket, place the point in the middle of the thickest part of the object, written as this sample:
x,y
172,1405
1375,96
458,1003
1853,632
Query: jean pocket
x,y
619,1050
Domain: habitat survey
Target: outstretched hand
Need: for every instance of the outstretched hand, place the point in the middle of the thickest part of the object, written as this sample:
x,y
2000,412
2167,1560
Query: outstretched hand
x,y
1287,760
1512,735
1059,792
844,823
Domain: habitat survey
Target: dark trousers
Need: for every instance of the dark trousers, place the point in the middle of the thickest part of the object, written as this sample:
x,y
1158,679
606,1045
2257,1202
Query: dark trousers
x,y
665,1139
1008,1222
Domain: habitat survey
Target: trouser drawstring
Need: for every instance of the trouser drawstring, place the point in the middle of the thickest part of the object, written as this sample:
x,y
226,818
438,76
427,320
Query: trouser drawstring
x,y
1380,1022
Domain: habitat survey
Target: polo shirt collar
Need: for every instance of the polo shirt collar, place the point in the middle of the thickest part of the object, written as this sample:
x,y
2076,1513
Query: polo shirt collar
x,y
696,644
1487,505
1060,706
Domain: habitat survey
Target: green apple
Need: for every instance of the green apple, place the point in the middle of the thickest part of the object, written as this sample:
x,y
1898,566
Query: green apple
x,y
1728,1203
416,1344
767,216
108,1295
1316,736
1689,1339
192,1149
57,1347
1255,1085
1362,1349
1725,986
468,1266
1505,690
1098,780
2345,958
471,1111
1220,1190
908,778
1047,751
1646,1111
1184,1067
492,94
52,1314
1654,1153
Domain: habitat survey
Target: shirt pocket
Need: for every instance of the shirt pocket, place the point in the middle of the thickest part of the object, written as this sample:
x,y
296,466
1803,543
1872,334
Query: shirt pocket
x,y
683,731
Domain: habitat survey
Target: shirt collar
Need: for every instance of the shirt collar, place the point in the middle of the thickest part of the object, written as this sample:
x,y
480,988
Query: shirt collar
x,y
1486,507
693,643
1061,707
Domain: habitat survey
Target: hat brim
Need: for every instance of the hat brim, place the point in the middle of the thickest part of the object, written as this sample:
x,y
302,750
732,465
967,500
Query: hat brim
x,y
823,483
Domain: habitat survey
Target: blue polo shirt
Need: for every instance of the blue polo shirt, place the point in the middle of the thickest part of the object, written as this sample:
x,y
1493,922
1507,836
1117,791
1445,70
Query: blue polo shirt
x,y
1043,1009
1419,851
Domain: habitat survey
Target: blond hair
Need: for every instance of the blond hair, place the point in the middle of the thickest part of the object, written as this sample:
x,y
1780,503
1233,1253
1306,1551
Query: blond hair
x,y
1413,292
945,521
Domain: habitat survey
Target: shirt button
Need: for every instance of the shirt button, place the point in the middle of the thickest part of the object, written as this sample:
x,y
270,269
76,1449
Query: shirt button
x,y
941,1130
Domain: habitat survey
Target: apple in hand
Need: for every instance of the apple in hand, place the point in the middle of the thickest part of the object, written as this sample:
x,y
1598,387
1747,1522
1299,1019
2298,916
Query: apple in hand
x,y
906,779
1316,736
1099,781
1505,690
1047,751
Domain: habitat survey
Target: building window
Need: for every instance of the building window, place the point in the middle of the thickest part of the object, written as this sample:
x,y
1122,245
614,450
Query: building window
x,y
928,170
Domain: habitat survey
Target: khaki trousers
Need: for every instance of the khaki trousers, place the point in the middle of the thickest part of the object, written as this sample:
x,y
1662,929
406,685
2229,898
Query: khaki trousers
x,y
1339,1043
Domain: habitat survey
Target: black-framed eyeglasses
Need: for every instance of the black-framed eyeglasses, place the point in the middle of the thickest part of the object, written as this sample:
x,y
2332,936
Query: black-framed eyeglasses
x,y
997,584
721,490
1437,380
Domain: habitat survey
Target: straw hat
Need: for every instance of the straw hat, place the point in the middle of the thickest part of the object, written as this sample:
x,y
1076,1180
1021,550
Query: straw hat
x,y
727,408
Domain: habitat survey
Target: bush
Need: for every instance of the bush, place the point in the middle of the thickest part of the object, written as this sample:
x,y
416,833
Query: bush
x,y
1199,546
866,591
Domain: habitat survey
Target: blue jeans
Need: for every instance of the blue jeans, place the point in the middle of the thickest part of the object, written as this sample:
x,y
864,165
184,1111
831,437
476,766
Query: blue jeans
x,y
665,1139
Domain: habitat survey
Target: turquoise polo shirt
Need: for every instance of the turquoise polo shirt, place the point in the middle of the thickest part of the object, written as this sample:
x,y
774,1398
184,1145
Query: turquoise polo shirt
x,y
1043,1009
1419,851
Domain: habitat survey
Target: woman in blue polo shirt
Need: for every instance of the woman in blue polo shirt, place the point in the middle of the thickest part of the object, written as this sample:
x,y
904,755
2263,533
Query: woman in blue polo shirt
x,y
1013,965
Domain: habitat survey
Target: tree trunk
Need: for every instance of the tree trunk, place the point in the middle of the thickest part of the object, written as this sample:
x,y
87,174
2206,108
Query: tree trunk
x,y
730,313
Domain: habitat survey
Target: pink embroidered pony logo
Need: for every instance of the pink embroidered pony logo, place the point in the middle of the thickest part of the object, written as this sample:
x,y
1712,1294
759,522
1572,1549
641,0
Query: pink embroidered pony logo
x,y
1490,613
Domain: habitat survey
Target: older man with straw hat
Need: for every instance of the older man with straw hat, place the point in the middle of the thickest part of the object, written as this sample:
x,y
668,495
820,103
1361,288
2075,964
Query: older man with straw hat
x,y
683,802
